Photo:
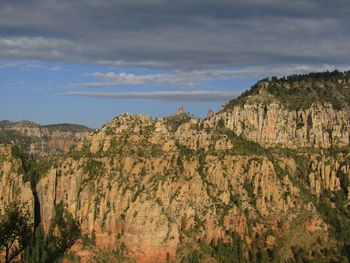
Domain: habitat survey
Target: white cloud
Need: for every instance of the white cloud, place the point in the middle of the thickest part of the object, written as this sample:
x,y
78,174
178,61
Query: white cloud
x,y
190,78
55,68
195,96
31,42
11,64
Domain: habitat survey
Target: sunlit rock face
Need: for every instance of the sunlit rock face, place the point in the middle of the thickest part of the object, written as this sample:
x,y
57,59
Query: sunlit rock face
x,y
156,190
12,185
264,119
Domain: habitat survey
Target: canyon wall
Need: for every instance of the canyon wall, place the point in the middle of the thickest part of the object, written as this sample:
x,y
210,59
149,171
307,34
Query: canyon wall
x,y
44,141
156,193
12,185
263,119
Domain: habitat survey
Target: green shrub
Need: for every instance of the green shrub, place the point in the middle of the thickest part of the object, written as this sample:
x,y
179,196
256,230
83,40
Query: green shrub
x,y
93,168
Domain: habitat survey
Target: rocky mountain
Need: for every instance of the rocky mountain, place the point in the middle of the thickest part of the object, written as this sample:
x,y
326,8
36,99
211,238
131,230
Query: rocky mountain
x,y
43,140
297,111
262,180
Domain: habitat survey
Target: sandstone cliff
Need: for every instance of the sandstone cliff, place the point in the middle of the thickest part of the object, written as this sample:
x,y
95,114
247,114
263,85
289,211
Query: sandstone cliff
x,y
154,193
263,179
12,185
43,141
265,118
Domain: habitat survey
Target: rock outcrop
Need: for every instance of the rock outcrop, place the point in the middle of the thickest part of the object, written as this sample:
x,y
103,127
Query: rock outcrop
x,y
12,185
44,141
264,119
153,192
329,173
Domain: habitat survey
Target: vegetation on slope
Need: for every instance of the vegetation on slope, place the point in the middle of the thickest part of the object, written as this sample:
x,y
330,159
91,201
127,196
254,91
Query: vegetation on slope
x,y
241,99
333,206
7,137
174,121
301,91
67,127
63,233
31,168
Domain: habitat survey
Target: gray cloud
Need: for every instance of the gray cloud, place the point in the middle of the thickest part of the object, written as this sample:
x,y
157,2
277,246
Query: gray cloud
x,y
180,35
188,96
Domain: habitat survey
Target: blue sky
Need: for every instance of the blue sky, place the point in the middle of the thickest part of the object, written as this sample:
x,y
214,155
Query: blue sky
x,y
85,61
40,91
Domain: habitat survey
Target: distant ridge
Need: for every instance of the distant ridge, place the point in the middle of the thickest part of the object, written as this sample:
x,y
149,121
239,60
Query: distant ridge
x,y
301,91
43,140
59,126
67,127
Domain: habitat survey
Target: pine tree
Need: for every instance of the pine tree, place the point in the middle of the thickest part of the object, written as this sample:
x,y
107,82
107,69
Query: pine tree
x,y
15,231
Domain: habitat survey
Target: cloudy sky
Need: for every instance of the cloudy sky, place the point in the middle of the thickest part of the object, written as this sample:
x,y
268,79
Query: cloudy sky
x,y
85,61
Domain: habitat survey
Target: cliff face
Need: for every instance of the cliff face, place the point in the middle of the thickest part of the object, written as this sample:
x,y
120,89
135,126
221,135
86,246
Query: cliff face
x,y
264,119
156,193
12,186
43,141
329,173
271,174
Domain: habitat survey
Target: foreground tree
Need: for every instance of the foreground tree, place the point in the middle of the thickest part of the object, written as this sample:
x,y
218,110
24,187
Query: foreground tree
x,y
63,233
15,230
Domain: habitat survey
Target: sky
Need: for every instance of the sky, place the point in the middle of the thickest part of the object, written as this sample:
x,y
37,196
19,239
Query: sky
x,y
86,61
